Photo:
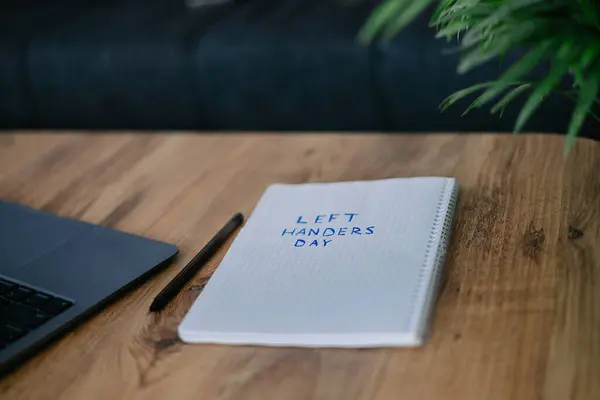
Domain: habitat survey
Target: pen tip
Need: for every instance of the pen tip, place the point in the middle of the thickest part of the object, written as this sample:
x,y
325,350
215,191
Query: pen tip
x,y
239,217
153,308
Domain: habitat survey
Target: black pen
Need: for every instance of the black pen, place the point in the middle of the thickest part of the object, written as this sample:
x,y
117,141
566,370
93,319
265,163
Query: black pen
x,y
175,286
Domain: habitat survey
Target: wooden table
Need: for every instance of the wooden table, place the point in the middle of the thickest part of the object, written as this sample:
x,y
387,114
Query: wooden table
x,y
518,316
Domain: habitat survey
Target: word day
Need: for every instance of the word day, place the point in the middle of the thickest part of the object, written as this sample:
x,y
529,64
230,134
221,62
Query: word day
x,y
320,235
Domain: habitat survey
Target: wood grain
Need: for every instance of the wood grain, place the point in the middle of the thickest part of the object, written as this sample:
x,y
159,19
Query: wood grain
x,y
518,316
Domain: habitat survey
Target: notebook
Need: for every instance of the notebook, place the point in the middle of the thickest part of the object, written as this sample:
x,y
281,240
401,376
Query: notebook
x,y
342,264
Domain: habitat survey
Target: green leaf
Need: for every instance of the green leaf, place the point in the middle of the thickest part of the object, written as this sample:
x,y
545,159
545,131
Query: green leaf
x,y
454,97
380,16
409,14
564,32
591,111
578,74
509,97
464,12
593,115
500,46
452,29
441,9
590,12
587,97
506,7
539,94
504,106
475,103
523,66
590,54
566,49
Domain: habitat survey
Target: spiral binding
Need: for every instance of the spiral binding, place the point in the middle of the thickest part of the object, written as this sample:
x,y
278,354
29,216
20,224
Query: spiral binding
x,y
436,246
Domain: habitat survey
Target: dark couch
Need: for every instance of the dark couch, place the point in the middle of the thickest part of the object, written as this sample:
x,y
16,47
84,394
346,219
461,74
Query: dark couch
x,y
249,65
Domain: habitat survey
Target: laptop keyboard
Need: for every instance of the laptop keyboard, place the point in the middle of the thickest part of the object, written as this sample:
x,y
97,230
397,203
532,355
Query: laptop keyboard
x,y
23,309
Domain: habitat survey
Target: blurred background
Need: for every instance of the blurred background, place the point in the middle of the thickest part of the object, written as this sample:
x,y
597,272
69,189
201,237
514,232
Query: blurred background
x,y
285,65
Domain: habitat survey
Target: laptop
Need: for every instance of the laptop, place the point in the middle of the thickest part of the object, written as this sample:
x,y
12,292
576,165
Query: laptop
x,y
56,271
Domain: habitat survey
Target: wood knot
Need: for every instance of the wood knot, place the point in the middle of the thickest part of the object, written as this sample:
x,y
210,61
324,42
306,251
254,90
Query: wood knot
x,y
309,152
196,288
574,233
533,241
163,344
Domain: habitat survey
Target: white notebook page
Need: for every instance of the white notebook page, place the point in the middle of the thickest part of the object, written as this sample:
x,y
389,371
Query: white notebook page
x,y
336,264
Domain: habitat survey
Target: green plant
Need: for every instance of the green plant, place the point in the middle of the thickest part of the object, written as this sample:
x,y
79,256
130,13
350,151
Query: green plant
x,y
563,33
